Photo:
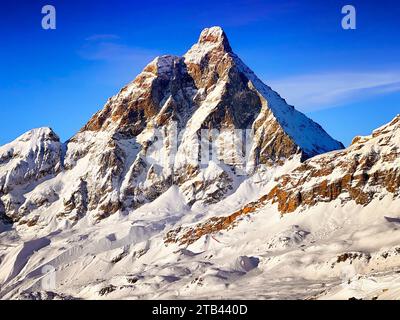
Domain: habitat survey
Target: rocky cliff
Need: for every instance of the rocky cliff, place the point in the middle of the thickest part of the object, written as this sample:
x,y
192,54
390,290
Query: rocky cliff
x,y
368,169
200,122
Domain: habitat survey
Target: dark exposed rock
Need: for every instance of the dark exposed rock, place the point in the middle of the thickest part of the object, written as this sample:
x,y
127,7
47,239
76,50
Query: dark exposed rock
x,y
107,290
359,172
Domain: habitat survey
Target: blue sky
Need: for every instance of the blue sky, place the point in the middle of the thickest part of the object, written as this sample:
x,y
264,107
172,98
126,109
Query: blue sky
x,y
347,80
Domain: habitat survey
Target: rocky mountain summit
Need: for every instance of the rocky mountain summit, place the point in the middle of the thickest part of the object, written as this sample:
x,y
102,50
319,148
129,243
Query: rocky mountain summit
x,y
150,136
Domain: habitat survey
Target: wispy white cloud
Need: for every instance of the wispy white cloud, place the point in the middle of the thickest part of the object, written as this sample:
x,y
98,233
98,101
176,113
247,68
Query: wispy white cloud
x,y
312,92
108,47
115,63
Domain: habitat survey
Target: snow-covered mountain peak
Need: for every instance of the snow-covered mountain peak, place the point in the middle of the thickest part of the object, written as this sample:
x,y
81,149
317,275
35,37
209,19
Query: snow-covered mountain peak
x,y
37,135
172,87
31,156
211,40
31,141
214,36
150,136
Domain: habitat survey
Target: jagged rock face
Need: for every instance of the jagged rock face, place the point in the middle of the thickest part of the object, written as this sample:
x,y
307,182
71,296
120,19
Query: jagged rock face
x,y
143,99
76,205
208,89
369,168
3,216
129,153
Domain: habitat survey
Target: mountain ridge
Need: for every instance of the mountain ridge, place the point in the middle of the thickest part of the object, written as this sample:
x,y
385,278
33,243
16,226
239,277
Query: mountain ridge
x,y
209,89
347,173
197,180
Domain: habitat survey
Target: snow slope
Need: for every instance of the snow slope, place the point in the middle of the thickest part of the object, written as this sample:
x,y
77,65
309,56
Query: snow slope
x,y
126,210
330,251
